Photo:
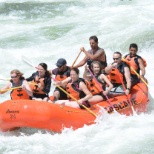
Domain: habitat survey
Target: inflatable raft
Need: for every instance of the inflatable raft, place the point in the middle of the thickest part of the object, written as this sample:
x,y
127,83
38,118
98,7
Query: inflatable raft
x,y
55,117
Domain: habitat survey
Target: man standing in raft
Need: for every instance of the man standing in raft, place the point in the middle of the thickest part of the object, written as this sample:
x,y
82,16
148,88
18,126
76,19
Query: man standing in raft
x,y
19,86
61,73
136,63
119,72
94,54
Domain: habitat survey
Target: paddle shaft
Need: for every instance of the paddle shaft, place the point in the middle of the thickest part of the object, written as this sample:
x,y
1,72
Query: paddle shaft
x,y
29,63
5,79
10,89
76,59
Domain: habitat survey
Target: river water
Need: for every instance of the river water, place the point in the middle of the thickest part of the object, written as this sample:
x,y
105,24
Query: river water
x,y
45,30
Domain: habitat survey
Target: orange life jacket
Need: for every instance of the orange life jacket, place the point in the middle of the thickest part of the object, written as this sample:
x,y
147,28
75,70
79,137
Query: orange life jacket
x,y
93,86
19,93
73,90
60,76
133,62
116,75
35,87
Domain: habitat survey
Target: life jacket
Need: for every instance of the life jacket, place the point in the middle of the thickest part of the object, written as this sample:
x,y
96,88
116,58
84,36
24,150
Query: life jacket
x,y
34,87
116,75
133,62
19,93
89,61
73,90
94,86
60,76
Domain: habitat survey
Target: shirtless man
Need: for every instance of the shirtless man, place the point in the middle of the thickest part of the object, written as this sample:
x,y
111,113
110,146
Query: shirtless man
x,y
94,54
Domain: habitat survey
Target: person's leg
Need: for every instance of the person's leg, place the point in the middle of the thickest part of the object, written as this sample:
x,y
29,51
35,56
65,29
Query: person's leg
x,y
45,99
95,99
56,94
68,103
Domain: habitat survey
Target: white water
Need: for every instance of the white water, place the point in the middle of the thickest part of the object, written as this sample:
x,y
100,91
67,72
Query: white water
x,y
45,31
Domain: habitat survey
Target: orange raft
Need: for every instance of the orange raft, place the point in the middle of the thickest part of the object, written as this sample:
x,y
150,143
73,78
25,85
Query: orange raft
x,y
54,117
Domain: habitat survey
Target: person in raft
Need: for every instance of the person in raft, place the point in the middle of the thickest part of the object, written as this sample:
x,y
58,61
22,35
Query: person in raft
x,y
19,86
61,73
40,83
77,88
96,83
136,63
94,54
119,73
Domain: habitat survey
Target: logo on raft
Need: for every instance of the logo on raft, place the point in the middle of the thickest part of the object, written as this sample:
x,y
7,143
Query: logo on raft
x,y
121,105
12,111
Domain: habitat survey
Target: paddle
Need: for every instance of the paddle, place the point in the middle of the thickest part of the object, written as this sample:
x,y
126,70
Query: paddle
x,y
124,90
76,100
141,78
76,59
5,79
16,87
102,90
10,89
26,60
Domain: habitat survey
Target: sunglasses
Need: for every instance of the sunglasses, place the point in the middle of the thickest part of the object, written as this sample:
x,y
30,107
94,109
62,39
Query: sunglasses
x,y
116,58
12,77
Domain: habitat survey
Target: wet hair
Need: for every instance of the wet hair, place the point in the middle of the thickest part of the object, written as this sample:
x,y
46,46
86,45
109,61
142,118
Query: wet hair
x,y
75,70
18,73
133,45
117,52
98,63
45,67
94,38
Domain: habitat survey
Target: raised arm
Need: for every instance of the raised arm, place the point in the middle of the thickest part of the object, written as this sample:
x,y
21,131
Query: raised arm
x,y
5,88
95,56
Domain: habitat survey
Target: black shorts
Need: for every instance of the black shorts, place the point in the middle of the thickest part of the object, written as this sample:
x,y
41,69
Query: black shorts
x,y
86,104
134,80
104,97
62,94
42,96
